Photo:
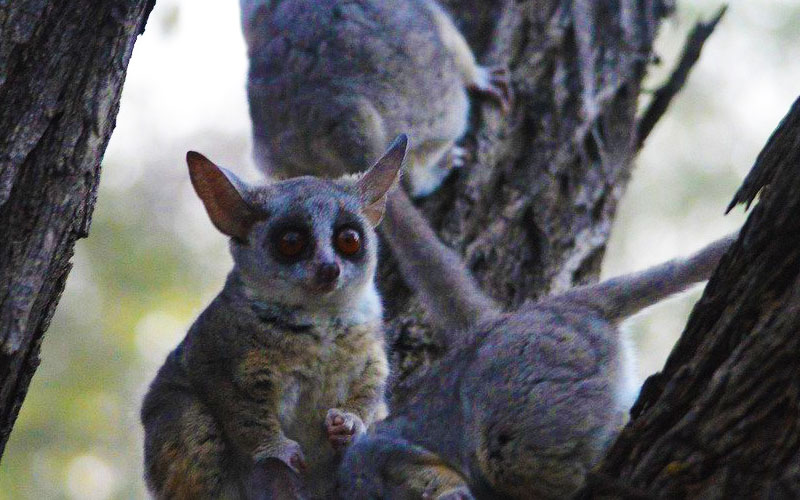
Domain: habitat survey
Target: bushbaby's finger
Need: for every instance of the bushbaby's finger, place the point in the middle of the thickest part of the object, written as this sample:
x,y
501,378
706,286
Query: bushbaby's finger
x,y
347,428
334,416
340,440
298,463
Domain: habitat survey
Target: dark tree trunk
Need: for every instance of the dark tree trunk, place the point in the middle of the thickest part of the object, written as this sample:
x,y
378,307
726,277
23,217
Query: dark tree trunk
x,y
722,420
532,213
62,65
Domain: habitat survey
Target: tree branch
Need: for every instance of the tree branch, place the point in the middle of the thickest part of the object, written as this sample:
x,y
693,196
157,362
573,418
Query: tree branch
x,y
664,95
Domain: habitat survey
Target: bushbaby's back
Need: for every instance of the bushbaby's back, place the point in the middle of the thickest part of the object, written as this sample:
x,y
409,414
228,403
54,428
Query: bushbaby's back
x,y
511,391
331,81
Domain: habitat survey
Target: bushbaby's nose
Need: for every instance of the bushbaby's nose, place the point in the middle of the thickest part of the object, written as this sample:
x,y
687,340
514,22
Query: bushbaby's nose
x,y
327,273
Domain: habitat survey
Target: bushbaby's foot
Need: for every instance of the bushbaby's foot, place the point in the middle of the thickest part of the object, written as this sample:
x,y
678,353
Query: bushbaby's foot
x,y
495,83
288,452
456,157
459,493
343,427
424,181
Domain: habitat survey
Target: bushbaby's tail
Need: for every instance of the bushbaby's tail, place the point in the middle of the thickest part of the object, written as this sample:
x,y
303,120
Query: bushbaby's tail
x,y
447,290
626,295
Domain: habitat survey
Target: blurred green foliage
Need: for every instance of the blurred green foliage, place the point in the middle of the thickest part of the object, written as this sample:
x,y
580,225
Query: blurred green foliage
x,y
132,278
152,260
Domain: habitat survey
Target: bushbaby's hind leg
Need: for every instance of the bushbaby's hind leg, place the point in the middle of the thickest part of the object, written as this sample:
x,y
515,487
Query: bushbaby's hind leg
x,y
185,453
422,471
333,136
493,82
539,440
273,480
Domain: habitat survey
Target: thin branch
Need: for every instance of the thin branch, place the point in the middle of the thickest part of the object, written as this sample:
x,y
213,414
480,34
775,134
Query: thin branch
x,y
664,95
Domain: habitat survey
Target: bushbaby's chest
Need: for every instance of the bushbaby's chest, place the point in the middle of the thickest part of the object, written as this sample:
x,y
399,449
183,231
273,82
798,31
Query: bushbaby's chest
x,y
316,385
308,392
314,373
306,376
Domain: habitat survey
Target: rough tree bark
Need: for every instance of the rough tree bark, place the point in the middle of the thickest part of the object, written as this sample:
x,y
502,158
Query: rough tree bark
x,y
722,419
62,65
532,212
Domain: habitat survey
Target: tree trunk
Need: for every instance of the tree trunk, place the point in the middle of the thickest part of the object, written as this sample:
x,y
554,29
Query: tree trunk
x,y
62,65
722,420
532,212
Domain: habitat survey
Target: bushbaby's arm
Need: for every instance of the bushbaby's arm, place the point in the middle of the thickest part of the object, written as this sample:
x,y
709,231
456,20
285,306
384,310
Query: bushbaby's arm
x,y
245,395
369,387
365,402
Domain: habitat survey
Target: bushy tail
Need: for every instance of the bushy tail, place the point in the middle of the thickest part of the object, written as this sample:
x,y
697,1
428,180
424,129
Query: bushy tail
x,y
448,292
626,295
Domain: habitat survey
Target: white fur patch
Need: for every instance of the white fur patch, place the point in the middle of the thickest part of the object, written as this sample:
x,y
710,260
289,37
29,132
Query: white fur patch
x,y
366,309
629,385
425,179
483,77
363,307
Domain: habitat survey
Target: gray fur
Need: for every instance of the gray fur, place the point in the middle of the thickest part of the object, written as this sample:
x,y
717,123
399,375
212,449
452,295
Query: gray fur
x,y
523,403
248,394
332,81
618,298
453,300
317,204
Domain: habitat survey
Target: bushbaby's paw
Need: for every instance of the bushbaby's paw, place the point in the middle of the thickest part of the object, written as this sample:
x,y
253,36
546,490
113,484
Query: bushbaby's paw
x,y
288,452
495,83
456,157
424,181
459,493
342,427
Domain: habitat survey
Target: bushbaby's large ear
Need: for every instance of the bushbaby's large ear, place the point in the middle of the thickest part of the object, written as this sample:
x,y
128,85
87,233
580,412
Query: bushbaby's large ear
x,y
219,191
379,179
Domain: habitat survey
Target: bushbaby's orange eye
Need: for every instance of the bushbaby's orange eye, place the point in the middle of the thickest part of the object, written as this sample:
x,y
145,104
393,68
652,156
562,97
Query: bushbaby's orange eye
x,y
291,243
348,241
